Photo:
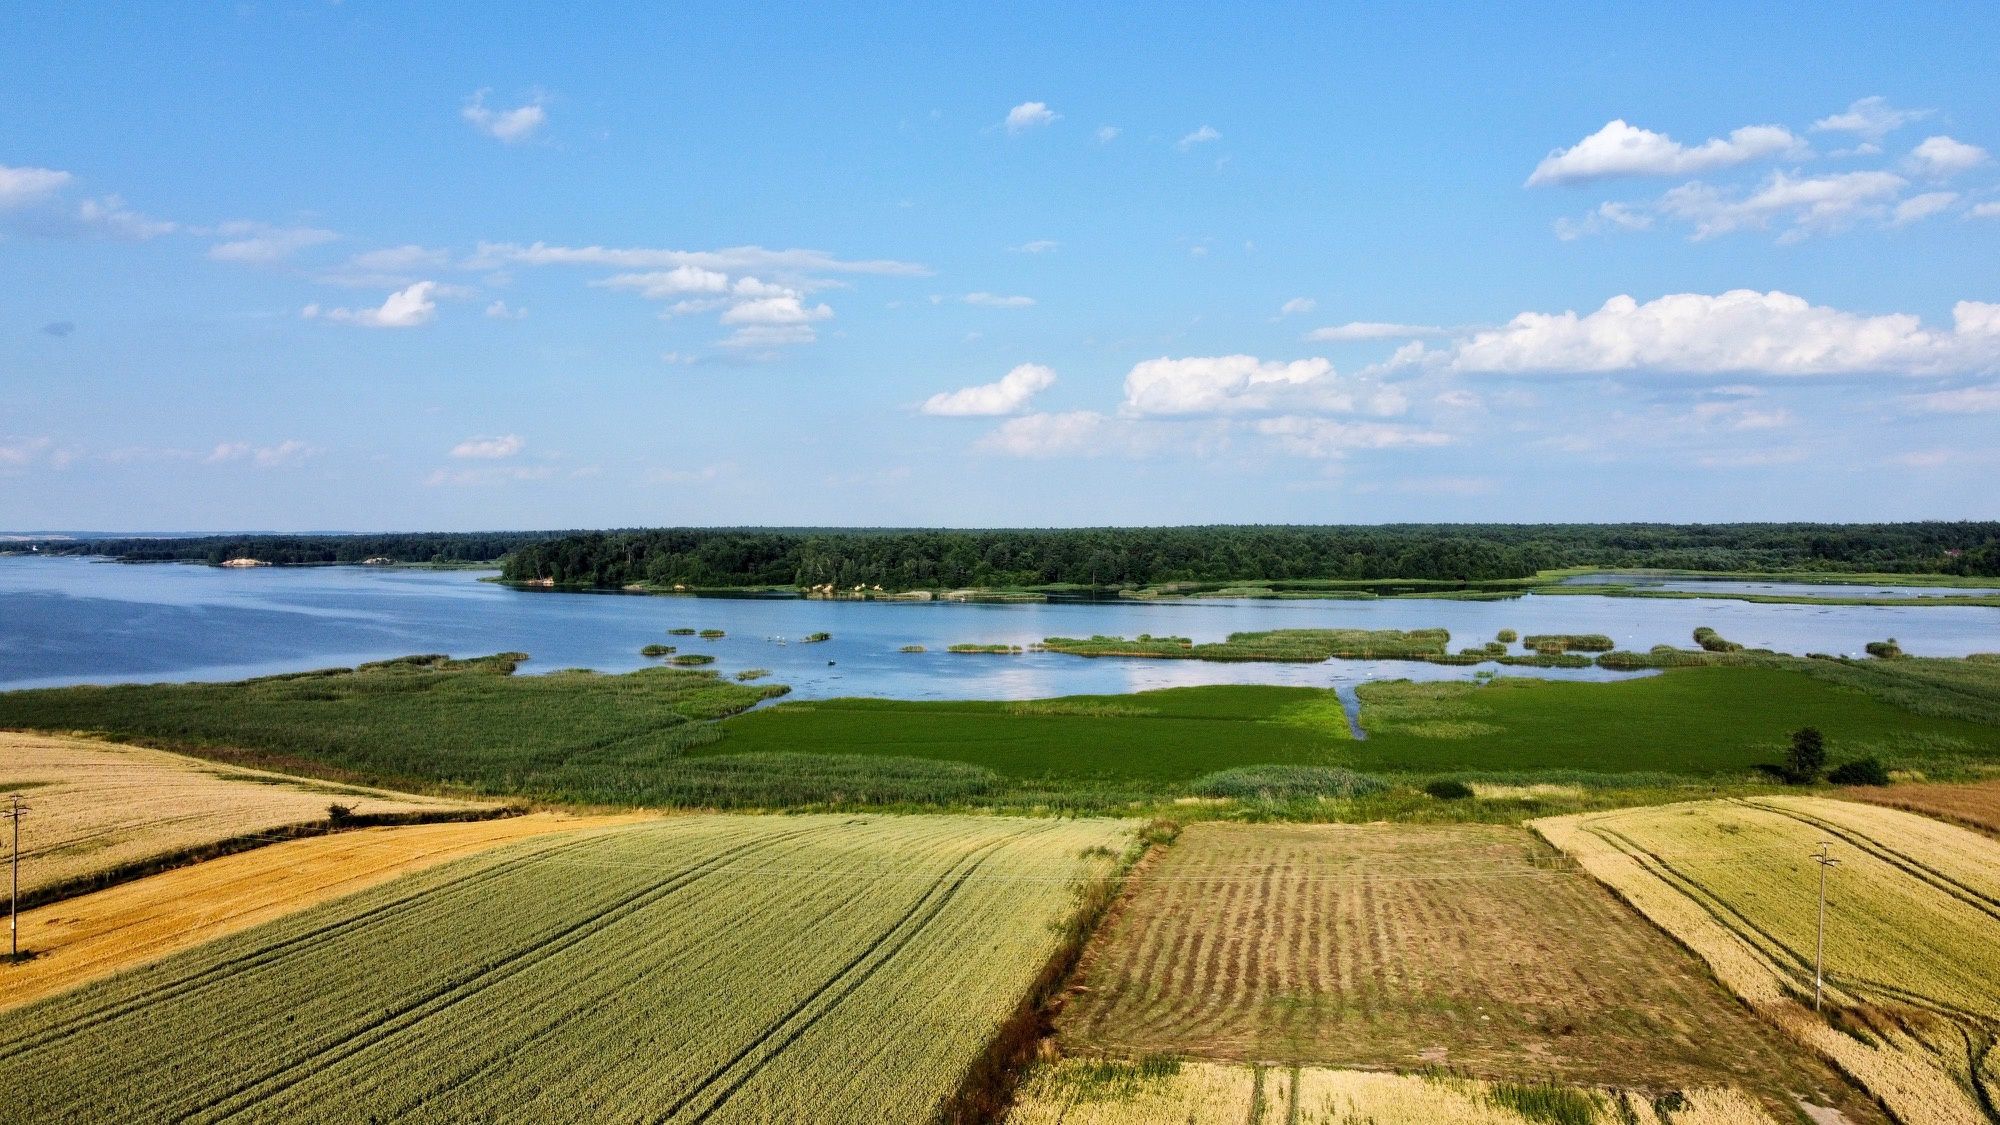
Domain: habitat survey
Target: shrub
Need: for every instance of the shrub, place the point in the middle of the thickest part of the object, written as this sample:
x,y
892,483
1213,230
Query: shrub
x,y
1713,641
1507,636
339,813
1806,759
657,650
1885,650
1448,790
1860,771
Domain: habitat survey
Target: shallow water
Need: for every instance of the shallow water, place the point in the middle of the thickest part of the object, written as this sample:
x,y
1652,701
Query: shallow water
x,y
69,620
1724,586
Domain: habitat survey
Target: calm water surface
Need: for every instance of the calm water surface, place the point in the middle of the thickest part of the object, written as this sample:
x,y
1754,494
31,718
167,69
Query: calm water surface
x,y
68,620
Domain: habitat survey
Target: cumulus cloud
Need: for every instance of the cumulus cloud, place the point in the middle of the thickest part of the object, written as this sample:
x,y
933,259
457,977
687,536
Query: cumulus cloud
x,y
1919,207
997,301
110,216
1200,136
1738,332
1297,305
1218,384
501,310
1809,203
263,244
1329,438
1620,150
1940,157
489,448
1030,115
1075,433
768,337
1609,216
775,310
1985,211
508,125
1870,118
1009,395
405,308
20,187
1373,330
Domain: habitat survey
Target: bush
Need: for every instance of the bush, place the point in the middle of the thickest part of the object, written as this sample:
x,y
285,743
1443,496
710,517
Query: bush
x,y
1860,771
1713,641
1806,760
339,813
1446,790
1507,636
1885,650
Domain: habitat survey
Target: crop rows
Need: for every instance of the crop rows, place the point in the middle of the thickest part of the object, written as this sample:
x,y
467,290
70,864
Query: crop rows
x,y
1085,1092
1406,946
1913,930
694,969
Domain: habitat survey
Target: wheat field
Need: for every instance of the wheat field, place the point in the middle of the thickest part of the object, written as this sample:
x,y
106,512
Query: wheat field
x,y
1913,930
97,806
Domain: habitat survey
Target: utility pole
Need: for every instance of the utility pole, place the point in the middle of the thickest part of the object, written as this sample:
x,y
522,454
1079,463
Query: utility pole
x,y
1825,862
14,811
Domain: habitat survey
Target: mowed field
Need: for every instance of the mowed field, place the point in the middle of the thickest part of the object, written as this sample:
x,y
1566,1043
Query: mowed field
x,y
1471,947
699,968
1912,940
98,806
1085,1092
80,939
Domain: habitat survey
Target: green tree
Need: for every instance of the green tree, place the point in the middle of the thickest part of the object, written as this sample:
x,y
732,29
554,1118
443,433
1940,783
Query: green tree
x,y
1806,760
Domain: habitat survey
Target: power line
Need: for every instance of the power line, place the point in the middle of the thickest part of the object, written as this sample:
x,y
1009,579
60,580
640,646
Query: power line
x,y
1826,862
14,813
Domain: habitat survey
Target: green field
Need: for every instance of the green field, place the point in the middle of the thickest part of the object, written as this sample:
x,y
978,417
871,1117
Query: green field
x,y
1177,734
713,968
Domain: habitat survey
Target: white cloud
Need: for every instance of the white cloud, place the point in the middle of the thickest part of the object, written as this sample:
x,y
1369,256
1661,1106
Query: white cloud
x,y
405,308
1036,246
766,337
1809,203
1297,305
1738,332
1030,115
1239,384
264,457
1076,433
489,448
263,244
670,283
1939,157
1967,400
1106,134
1009,395
1373,330
1620,149
19,453
1609,215
1870,118
1200,136
111,216
731,260
508,125
775,310
1327,438
997,301
20,187
501,310
389,268
499,474
1919,207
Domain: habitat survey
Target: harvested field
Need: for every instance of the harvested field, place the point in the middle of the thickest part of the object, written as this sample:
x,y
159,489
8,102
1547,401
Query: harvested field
x,y
100,806
1913,930
1975,805
1083,1092
711,968
98,934
1470,947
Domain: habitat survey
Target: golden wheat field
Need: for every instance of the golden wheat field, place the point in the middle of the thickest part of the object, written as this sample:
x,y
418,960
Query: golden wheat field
x,y
1912,937
1974,804
1086,1092
94,935
1470,947
98,806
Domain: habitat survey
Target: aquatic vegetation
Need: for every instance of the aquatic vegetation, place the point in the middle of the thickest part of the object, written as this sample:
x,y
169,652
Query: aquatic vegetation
x,y
657,650
691,659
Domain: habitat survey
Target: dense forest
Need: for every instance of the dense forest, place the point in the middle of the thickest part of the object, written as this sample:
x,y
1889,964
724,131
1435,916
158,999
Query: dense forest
x,y
938,559
304,550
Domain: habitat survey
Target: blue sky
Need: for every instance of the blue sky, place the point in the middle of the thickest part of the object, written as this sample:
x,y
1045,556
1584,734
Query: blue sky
x,y
310,265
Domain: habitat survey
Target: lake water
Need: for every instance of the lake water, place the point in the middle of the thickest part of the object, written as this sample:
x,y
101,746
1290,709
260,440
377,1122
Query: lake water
x,y
1721,586
69,620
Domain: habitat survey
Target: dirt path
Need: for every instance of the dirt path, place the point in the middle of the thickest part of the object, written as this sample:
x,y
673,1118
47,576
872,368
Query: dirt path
x,y
80,939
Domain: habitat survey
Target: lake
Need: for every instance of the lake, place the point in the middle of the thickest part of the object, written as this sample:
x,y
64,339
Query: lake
x,y
72,620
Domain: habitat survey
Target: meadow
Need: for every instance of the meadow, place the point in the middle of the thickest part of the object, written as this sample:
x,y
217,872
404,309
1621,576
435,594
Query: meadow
x,y
1913,930
869,966
102,811
1095,1092
1465,948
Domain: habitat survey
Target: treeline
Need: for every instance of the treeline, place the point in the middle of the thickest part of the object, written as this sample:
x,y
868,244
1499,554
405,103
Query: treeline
x,y
934,559
303,550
